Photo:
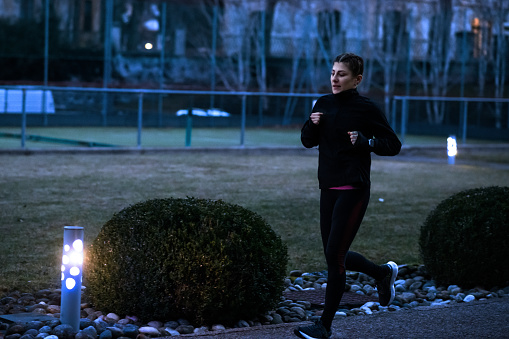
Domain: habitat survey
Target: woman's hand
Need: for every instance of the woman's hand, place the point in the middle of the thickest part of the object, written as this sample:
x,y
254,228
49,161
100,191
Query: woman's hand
x,y
353,136
315,117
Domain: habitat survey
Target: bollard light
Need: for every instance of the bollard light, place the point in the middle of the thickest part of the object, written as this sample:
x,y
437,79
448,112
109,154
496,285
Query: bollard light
x,y
72,272
452,149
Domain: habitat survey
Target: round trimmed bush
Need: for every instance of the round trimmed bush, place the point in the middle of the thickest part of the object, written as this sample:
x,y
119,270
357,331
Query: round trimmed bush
x,y
465,240
207,261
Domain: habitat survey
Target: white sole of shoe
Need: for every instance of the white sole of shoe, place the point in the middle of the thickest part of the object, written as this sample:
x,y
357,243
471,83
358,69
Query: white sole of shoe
x,y
394,275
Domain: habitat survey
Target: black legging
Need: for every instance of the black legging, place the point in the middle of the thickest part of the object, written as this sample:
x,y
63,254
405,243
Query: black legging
x,y
341,214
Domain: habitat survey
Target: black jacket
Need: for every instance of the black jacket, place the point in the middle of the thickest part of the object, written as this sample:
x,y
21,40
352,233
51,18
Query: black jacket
x,y
341,163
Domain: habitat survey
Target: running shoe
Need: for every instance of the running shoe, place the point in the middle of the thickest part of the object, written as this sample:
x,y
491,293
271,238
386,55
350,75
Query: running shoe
x,y
385,287
314,331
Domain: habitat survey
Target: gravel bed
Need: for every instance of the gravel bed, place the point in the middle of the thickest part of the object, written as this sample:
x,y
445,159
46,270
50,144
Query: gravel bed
x,y
413,289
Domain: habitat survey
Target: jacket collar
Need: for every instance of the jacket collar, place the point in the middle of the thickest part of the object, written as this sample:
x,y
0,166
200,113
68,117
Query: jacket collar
x,y
345,95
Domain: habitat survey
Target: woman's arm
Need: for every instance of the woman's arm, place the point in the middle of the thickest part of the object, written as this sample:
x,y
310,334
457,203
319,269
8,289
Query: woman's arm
x,y
385,141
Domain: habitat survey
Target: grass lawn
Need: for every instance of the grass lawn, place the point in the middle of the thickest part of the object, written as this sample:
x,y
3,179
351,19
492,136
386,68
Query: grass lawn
x,y
176,137
41,193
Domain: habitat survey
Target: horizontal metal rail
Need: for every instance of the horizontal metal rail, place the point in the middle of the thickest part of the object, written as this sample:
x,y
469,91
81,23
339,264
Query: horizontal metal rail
x,y
463,100
141,92
161,91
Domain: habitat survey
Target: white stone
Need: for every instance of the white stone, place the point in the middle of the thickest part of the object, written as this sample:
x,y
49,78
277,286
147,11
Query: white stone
x,y
149,330
218,327
171,332
201,330
155,324
469,298
341,314
111,318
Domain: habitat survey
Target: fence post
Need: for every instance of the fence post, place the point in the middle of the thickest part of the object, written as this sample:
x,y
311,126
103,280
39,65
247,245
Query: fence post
x,y
243,122
404,118
393,114
465,124
140,118
189,124
23,117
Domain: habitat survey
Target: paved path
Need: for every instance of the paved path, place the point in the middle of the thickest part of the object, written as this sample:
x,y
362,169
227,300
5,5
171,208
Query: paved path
x,y
479,319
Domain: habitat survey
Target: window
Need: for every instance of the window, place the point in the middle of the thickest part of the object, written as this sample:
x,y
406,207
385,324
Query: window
x,y
87,16
329,28
481,30
393,29
27,9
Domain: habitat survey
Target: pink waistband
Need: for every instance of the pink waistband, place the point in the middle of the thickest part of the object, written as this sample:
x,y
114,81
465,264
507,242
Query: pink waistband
x,y
346,187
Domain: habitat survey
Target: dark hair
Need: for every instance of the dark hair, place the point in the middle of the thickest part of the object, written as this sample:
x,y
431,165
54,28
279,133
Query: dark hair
x,y
354,62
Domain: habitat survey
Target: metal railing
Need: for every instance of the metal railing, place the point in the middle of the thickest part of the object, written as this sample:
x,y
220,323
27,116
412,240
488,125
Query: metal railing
x,y
141,94
400,108
463,111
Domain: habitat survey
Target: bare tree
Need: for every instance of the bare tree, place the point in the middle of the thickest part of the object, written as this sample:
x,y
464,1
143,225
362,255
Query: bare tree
x,y
316,41
439,60
388,44
501,9
489,48
241,32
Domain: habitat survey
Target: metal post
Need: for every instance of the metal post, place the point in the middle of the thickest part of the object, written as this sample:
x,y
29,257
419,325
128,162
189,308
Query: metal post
x,y
46,57
140,118
408,54
463,55
5,100
463,70
72,273
393,114
161,63
465,122
404,117
213,54
243,122
107,56
189,123
23,117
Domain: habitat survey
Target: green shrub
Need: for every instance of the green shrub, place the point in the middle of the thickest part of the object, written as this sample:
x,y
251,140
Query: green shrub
x,y
207,261
465,240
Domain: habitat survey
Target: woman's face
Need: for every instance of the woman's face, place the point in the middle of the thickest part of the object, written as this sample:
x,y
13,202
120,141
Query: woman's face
x,y
342,79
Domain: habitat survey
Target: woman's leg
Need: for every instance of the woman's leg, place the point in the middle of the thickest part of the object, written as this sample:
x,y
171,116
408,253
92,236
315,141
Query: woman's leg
x,y
358,263
341,213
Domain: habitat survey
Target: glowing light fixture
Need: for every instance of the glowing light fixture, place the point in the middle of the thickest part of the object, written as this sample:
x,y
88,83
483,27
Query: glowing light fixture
x,y
452,149
148,45
72,268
